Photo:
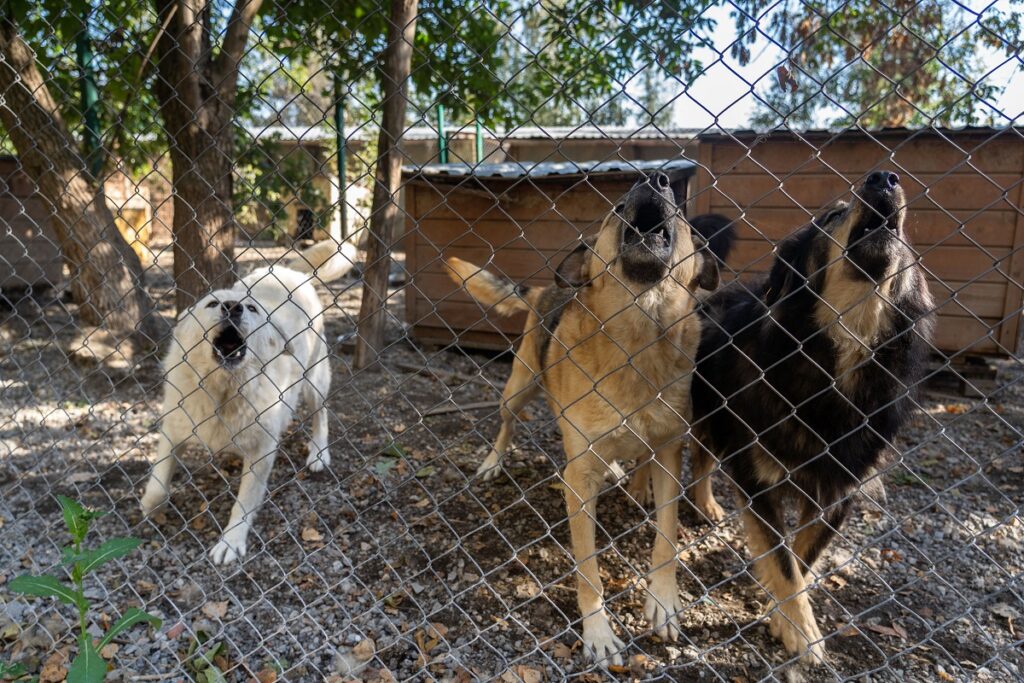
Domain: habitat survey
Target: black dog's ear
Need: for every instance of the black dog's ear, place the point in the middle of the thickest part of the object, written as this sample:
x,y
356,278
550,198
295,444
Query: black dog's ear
x,y
788,270
572,272
705,275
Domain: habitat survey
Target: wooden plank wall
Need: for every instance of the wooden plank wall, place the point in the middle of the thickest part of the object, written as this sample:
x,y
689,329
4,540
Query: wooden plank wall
x,y
519,230
965,215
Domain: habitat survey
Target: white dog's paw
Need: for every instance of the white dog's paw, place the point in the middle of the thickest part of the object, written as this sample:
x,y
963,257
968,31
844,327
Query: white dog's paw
x,y
229,548
662,609
154,500
318,461
600,641
490,468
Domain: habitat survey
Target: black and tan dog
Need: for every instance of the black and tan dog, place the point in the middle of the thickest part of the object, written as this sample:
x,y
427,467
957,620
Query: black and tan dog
x,y
803,381
613,345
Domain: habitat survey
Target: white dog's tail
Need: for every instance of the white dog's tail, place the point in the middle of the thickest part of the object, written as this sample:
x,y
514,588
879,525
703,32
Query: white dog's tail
x,y
328,260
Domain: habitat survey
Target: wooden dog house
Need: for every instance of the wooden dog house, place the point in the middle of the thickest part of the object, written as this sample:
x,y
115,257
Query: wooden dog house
x,y
517,219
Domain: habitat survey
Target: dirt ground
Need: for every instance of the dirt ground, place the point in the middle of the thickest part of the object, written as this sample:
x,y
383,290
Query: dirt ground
x,y
398,563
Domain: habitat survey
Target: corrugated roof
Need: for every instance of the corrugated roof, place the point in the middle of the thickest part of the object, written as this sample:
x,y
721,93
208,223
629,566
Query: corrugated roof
x,y
325,133
521,169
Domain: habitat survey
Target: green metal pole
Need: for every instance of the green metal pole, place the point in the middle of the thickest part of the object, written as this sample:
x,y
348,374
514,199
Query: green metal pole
x,y
479,142
339,129
442,139
90,99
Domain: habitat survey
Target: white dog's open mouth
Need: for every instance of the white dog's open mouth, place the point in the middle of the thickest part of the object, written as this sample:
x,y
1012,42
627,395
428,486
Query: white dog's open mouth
x,y
229,345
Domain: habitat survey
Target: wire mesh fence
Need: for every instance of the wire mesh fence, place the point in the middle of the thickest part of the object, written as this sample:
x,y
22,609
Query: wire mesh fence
x,y
517,341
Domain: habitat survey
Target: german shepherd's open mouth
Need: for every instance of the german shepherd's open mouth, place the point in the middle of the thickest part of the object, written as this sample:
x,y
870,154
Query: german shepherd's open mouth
x,y
229,344
882,202
648,229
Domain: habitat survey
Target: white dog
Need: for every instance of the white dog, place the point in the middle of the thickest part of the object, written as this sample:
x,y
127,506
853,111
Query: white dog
x,y
240,362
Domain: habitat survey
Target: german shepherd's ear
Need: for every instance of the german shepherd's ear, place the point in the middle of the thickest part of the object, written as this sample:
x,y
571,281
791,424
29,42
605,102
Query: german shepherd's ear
x,y
705,275
788,272
572,272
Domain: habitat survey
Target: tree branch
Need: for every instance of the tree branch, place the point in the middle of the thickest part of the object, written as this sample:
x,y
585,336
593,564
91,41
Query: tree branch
x,y
225,69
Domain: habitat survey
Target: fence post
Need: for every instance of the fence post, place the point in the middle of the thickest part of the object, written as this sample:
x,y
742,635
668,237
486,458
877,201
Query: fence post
x,y
90,98
442,139
339,131
479,142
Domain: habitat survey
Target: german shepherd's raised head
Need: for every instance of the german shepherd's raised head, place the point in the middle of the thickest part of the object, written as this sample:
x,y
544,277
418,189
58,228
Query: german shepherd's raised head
x,y
803,381
612,344
644,248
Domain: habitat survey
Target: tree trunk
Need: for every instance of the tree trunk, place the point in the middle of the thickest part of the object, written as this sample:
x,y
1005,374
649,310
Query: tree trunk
x,y
197,91
204,227
385,220
105,272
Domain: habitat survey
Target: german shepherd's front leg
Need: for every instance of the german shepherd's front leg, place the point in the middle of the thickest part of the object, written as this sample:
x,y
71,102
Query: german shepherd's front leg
x,y
663,606
584,477
792,620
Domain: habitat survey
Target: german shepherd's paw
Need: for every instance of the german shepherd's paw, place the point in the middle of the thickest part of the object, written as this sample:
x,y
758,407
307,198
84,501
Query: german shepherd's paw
x,y
662,609
600,641
803,639
490,468
710,508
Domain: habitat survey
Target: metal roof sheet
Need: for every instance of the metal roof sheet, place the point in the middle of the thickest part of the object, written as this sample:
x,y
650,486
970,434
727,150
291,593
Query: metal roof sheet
x,y
521,169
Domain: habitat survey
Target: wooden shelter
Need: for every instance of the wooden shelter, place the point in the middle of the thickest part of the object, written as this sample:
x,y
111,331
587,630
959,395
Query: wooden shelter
x,y
518,219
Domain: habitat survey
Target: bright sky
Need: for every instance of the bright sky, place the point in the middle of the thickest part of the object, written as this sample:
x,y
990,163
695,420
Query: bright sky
x,y
725,91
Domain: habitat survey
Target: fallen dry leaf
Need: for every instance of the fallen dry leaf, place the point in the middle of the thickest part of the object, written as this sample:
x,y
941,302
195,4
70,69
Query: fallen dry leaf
x,y
266,675
945,676
175,631
529,675
311,535
215,610
835,581
108,651
527,589
561,651
887,630
365,649
54,669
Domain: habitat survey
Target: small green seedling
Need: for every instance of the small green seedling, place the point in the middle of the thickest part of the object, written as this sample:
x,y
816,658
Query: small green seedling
x,y
88,666
204,659
16,673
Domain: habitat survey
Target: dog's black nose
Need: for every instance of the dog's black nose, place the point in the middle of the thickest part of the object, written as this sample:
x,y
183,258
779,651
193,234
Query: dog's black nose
x,y
660,180
233,309
883,180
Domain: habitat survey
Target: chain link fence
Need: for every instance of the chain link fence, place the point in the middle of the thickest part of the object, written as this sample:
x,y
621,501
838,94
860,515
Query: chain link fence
x,y
856,403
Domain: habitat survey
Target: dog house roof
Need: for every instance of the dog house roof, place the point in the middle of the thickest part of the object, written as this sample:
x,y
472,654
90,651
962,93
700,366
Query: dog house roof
x,y
675,168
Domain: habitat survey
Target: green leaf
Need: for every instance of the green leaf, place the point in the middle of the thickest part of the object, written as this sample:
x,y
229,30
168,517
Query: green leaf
x,y
88,666
384,465
46,586
395,450
111,550
12,671
75,518
214,675
207,657
133,616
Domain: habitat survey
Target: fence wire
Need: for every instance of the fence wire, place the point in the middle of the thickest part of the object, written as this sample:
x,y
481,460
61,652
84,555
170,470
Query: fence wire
x,y
766,424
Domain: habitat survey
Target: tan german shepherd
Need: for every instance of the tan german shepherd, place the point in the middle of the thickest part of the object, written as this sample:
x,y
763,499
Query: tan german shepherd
x,y
613,345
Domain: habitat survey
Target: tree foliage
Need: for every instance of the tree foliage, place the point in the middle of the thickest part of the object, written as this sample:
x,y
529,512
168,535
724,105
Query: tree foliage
x,y
901,63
